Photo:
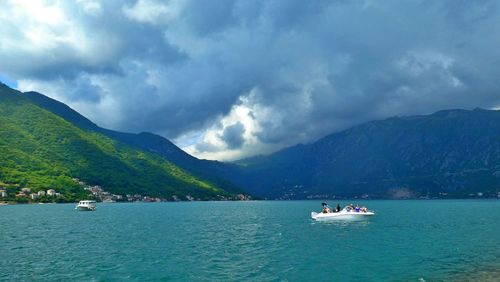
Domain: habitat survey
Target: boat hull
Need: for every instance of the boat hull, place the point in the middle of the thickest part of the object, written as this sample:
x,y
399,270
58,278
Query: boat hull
x,y
343,215
86,205
85,208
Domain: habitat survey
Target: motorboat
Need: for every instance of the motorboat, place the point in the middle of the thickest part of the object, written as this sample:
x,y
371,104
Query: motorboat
x,y
345,214
87,205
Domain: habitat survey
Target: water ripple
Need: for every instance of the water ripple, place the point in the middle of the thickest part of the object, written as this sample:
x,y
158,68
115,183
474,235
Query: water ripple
x,y
250,241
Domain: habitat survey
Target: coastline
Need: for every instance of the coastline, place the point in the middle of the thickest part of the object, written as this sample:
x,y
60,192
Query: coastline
x,y
12,203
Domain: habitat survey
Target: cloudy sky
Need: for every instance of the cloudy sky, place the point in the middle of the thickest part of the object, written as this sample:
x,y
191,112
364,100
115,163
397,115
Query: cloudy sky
x,y
227,79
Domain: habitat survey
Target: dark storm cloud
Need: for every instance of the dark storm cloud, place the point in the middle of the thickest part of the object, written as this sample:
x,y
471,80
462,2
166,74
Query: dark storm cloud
x,y
233,135
312,67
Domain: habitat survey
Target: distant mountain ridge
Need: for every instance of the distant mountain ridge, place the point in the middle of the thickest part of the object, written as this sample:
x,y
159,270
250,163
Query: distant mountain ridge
x,y
451,153
44,144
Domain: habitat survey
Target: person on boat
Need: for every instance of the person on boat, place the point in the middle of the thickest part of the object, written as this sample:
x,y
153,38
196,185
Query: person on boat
x,y
350,207
364,209
337,209
357,208
326,209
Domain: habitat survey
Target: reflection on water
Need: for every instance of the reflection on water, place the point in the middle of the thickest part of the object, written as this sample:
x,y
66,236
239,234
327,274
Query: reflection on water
x,y
350,223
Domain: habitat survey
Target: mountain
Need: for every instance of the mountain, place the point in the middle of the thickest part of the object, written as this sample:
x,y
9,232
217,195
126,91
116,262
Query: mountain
x,y
43,149
452,153
214,171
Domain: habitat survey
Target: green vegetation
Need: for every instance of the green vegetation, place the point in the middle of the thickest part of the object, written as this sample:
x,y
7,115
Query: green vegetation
x,y
41,150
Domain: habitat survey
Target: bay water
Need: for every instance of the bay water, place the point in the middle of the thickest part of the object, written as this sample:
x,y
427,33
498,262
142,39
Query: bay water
x,y
410,240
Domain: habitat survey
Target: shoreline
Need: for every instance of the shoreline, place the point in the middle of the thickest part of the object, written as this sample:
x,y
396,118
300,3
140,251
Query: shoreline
x,y
9,203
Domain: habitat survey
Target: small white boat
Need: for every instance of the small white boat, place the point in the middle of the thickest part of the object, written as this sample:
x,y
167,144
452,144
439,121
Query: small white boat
x,y
345,214
87,205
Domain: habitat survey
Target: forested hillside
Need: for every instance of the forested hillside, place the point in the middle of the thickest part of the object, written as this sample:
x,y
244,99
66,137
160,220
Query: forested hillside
x,y
41,150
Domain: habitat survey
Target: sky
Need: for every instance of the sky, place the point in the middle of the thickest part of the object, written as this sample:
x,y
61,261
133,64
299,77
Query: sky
x,y
229,79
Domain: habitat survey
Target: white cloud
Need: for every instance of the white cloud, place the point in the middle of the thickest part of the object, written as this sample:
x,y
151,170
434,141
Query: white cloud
x,y
212,146
91,7
31,24
41,36
152,11
38,11
247,112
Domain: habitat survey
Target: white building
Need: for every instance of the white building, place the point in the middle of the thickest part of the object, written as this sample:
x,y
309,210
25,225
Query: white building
x,y
51,192
34,196
26,190
3,194
41,193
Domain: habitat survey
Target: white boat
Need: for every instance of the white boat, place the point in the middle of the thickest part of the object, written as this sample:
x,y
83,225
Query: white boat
x,y
345,214
87,205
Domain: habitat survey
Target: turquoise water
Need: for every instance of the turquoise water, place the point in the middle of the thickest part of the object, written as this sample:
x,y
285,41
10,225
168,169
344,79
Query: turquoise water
x,y
251,241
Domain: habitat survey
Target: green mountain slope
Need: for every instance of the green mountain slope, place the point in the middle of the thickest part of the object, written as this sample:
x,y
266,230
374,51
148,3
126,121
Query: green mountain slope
x,y
41,150
453,153
213,171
